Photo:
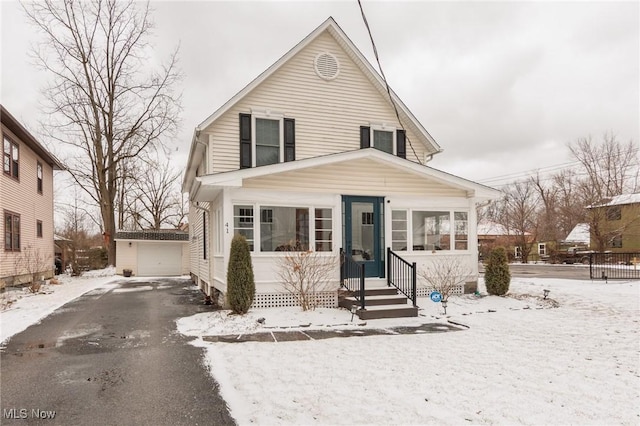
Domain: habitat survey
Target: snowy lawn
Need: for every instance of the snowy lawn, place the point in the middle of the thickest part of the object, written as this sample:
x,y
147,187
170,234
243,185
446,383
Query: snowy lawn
x,y
573,359
23,308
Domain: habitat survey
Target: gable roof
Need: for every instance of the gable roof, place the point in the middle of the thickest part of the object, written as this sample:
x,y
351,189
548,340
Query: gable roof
x,y
579,234
26,137
407,118
235,178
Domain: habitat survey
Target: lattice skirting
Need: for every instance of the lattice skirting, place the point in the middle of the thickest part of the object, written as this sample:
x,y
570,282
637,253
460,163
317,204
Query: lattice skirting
x,y
326,299
425,292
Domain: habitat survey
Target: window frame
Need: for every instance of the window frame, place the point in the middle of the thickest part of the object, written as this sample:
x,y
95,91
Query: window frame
x,y
410,243
12,232
40,178
255,246
542,249
613,213
384,128
39,229
13,147
266,115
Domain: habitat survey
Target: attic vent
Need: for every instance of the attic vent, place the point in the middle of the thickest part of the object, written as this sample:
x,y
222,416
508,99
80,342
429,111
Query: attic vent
x,y
326,66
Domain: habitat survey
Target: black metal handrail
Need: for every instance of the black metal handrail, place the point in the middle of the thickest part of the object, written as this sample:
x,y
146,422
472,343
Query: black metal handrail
x,y
352,277
611,266
402,275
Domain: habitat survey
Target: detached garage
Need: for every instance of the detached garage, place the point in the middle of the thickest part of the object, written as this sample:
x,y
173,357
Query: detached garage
x,y
153,253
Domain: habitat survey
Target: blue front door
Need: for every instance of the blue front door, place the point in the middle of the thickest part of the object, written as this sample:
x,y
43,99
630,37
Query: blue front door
x,y
363,231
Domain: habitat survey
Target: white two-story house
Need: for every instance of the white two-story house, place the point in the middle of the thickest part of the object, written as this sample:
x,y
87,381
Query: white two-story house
x,y
314,154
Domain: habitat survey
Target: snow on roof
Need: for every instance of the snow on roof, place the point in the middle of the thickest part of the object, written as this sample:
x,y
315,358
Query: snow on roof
x,y
620,200
579,234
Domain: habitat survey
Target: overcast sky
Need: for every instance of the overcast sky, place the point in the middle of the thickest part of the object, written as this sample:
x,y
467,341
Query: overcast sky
x,y
501,86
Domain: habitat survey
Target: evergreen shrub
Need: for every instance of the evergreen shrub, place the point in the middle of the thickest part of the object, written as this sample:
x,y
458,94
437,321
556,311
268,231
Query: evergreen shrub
x,y
241,285
497,276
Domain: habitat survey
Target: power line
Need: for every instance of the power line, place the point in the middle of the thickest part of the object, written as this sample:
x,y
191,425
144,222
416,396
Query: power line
x,y
395,107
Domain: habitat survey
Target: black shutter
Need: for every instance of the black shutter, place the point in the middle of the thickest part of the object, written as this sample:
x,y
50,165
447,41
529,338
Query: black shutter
x,y
401,142
245,141
289,139
365,137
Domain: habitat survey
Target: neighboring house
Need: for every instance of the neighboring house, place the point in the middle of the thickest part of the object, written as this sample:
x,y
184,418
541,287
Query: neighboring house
x,y
492,235
615,225
26,205
163,252
311,155
578,237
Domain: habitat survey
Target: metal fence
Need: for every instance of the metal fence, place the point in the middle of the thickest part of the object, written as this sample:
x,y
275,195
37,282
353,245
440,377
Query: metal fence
x,y
614,266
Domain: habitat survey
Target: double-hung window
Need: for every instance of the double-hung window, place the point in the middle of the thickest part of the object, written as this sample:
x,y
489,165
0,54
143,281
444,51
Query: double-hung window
x,y
11,231
268,141
39,174
266,138
384,140
11,158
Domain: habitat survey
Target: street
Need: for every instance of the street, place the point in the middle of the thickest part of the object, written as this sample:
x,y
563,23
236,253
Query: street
x,y
543,270
112,358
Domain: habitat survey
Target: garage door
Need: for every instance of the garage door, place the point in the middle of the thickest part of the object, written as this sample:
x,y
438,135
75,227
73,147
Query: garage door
x,y
159,259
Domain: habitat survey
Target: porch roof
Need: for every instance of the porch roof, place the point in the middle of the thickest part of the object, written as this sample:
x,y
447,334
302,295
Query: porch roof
x,y
207,187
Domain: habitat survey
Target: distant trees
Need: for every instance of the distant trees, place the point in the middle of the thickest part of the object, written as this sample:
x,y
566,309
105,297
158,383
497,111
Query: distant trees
x,y
548,208
107,102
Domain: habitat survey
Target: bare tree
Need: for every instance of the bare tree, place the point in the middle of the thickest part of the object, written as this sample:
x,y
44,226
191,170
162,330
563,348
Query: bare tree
x,y
305,274
518,213
445,274
105,101
609,169
157,197
34,264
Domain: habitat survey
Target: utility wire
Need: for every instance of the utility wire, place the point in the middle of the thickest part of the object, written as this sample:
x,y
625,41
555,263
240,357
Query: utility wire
x,y
395,107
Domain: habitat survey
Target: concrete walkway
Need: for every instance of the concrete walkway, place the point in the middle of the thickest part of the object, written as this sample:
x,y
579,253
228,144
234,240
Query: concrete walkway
x,y
297,335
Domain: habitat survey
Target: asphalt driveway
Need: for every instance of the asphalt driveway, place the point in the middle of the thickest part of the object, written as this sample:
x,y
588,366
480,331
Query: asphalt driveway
x,y
112,358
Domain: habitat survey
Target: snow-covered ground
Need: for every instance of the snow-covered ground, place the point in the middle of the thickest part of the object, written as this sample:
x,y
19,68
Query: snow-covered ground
x,y
23,308
573,359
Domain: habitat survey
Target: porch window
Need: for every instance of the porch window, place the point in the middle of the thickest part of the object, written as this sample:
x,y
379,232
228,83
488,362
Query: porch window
x,y
243,223
284,228
324,230
461,230
431,230
11,231
398,230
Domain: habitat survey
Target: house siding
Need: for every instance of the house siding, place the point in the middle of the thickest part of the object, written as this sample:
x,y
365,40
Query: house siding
x,y
22,197
362,177
328,114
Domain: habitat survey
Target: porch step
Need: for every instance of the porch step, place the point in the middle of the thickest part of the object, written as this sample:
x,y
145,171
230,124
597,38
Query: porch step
x,y
395,299
380,302
386,311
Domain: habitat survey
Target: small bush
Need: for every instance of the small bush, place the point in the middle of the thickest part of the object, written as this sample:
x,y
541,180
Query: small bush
x,y
241,285
497,276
